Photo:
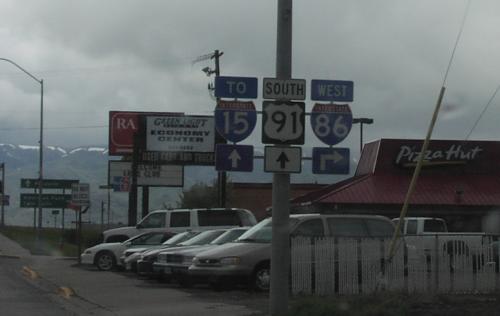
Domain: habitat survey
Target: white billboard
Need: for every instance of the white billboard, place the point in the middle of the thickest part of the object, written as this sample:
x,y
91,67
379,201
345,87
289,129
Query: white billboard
x,y
120,175
180,133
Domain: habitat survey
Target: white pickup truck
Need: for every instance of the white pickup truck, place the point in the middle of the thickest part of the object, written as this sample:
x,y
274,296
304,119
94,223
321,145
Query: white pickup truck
x,y
427,232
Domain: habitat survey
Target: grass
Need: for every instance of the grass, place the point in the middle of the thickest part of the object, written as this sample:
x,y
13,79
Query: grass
x,y
384,304
52,241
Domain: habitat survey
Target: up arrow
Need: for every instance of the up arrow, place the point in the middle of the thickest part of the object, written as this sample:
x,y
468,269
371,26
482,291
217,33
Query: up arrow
x,y
336,157
234,157
282,159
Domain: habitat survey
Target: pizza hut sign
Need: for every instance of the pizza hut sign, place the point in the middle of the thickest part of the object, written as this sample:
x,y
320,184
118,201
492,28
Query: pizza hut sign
x,y
408,154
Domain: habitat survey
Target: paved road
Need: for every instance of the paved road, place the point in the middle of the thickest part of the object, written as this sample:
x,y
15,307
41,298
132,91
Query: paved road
x,y
18,296
76,290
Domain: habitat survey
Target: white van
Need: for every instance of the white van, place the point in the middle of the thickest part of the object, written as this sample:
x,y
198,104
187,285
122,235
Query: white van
x,y
179,220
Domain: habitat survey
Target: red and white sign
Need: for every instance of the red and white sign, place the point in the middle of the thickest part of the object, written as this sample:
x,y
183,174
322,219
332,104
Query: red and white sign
x,y
122,126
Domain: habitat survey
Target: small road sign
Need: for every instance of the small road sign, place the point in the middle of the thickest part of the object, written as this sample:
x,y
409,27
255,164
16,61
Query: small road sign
x,y
283,122
80,194
234,158
236,87
47,183
282,159
330,160
331,123
235,120
332,90
284,89
48,200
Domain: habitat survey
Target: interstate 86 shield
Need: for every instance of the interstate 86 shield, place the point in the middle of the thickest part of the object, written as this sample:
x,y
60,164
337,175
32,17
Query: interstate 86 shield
x,y
331,123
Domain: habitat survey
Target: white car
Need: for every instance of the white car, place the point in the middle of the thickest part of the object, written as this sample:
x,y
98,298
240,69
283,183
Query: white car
x,y
105,256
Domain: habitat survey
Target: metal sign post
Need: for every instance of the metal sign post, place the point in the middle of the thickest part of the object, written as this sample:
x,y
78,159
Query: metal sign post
x,y
280,247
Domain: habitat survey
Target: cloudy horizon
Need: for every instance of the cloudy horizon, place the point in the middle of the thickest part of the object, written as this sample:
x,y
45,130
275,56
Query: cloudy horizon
x,y
101,56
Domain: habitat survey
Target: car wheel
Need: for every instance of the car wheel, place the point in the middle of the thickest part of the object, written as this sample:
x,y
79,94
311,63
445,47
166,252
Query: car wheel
x,y
105,261
261,279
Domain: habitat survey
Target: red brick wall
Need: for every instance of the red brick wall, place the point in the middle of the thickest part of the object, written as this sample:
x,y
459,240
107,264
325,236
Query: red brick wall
x,y
256,197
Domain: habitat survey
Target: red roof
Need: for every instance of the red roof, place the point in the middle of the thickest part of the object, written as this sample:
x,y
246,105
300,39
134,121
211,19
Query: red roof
x,y
480,190
472,181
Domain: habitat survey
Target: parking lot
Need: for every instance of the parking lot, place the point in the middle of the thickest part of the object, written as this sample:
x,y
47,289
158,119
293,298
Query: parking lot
x,y
88,291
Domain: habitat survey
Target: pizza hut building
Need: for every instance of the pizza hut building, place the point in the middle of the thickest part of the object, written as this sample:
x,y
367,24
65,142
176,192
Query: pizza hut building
x,y
460,182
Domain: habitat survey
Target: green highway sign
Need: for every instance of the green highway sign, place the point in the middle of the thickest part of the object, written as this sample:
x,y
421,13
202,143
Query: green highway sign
x,y
48,200
48,183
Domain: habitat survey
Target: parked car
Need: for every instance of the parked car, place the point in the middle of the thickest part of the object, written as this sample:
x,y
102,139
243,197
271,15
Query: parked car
x,y
105,255
175,262
145,263
248,258
130,256
180,220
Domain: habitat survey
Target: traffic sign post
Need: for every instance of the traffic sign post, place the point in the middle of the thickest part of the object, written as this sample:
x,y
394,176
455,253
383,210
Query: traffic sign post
x,y
234,158
235,87
330,160
331,123
282,159
283,122
80,194
332,90
235,120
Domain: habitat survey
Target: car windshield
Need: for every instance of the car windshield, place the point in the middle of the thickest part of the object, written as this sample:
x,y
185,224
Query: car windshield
x,y
203,238
262,232
176,239
228,236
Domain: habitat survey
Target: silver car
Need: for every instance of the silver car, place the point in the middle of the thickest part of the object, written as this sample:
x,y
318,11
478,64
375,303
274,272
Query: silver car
x,y
248,258
175,262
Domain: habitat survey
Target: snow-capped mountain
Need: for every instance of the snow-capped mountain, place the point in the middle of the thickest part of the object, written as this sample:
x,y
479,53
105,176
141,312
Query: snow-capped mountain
x,y
90,165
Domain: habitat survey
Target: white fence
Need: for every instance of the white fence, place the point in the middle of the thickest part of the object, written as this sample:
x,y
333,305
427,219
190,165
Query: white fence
x,y
439,264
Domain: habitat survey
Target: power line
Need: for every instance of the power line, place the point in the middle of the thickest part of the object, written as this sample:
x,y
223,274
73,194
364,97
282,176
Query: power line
x,y
482,112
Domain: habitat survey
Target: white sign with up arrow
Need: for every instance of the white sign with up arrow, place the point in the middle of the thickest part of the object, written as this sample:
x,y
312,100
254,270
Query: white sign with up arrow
x,y
282,159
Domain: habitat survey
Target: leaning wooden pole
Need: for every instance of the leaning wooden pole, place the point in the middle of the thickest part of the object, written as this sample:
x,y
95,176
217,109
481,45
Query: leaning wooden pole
x,y
416,173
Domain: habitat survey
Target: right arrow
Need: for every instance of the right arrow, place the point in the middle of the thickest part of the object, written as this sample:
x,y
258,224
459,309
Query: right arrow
x,y
234,157
336,157
282,159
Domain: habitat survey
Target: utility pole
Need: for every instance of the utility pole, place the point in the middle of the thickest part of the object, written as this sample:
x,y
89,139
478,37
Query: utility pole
x,y
221,176
280,246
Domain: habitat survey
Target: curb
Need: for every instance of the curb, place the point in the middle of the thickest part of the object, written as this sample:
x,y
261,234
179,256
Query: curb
x,y
10,256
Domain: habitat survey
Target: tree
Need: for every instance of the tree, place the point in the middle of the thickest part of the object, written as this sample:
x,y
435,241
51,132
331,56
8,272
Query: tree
x,y
202,195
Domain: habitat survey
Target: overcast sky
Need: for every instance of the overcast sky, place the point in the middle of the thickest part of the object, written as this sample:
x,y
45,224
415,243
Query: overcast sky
x,y
103,55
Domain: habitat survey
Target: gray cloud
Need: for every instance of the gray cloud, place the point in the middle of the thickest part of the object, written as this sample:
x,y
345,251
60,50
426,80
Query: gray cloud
x,y
97,56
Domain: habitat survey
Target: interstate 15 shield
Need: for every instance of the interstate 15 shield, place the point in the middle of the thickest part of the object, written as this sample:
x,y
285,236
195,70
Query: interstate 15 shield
x,y
235,120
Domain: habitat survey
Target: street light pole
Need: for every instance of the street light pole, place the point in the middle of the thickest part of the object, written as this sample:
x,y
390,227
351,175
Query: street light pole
x,y
361,121
40,160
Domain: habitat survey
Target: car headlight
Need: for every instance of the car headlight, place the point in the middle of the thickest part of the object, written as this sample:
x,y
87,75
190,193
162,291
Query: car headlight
x,y
230,261
88,252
